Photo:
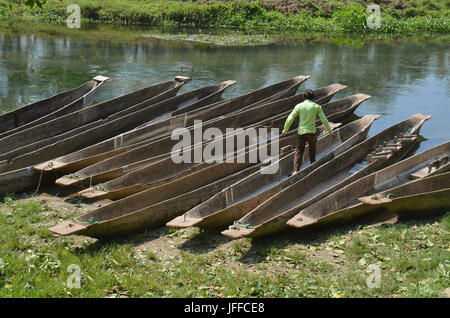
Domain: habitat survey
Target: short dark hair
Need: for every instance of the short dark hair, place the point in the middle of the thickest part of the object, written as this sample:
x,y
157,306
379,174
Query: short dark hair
x,y
308,94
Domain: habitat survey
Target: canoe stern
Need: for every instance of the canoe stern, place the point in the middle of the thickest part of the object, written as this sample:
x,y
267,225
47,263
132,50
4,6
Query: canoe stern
x,y
69,181
183,221
235,232
91,193
301,221
68,228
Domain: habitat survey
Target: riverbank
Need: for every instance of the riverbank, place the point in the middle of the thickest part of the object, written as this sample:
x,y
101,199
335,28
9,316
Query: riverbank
x,y
188,37
271,19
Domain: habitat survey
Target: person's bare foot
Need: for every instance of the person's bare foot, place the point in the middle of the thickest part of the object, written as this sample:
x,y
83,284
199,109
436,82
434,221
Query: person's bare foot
x,y
294,173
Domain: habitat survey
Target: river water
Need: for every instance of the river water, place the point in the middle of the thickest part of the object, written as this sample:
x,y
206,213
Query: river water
x,y
403,78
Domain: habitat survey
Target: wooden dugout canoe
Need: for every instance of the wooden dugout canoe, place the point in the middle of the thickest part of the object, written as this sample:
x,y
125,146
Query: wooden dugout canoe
x,y
113,126
126,141
57,105
271,216
419,198
112,167
235,201
125,103
343,205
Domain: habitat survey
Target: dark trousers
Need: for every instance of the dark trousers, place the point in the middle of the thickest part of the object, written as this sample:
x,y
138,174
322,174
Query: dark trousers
x,y
300,149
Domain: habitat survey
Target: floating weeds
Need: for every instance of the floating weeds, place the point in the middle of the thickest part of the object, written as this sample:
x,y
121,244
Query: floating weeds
x,y
213,39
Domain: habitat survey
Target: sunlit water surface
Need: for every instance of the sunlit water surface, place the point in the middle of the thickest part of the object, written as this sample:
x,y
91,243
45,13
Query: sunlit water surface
x,y
403,78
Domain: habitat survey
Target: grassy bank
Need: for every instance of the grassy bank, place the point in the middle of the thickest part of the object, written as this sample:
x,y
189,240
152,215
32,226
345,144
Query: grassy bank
x,y
413,257
326,17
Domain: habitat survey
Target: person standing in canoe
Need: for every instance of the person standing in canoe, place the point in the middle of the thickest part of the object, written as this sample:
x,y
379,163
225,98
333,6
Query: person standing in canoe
x,y
307,112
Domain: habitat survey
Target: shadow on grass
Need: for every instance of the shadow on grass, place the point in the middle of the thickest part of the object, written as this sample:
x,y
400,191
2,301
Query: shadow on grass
x,y
264,246
208,240
133,240
204,241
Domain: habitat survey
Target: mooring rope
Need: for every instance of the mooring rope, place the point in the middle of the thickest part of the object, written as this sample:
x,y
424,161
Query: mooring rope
x,y
39,182
49,165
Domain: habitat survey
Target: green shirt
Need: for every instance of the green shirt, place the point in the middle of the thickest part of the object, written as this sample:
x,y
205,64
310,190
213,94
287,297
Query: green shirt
x,y
307,111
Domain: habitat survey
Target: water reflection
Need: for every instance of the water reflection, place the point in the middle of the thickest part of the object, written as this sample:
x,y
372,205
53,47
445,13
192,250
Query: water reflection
x,y
403,78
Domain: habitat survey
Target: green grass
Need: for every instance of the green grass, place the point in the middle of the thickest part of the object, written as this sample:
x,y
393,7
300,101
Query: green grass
x,y
413,257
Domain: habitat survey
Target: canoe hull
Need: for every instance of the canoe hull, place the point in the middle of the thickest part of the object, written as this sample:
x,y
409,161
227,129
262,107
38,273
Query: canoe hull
x,y
46,109
24,179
